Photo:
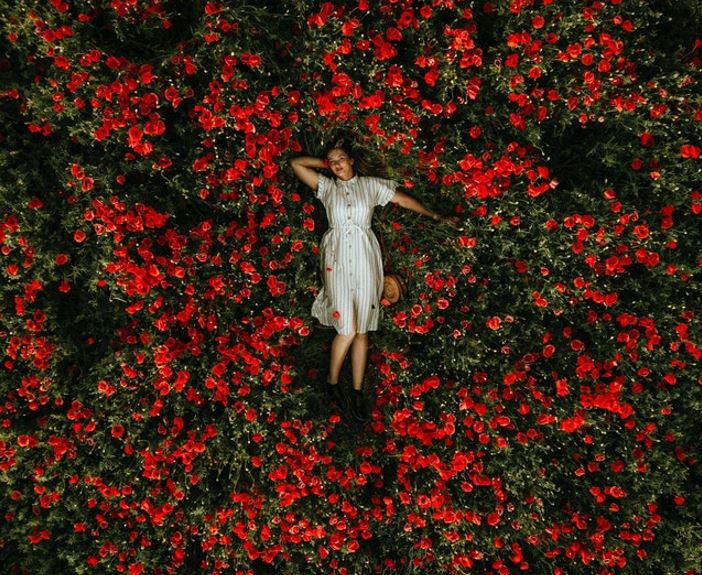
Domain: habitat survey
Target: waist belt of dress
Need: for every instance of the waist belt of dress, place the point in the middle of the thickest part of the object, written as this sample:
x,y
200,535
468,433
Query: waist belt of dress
x,y
348,227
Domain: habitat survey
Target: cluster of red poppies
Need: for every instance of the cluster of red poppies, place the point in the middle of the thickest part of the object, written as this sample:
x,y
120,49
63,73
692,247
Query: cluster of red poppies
x,y
535,395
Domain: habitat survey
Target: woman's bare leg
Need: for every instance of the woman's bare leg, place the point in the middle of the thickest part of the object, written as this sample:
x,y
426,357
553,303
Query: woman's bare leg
x,y
359,358
339,348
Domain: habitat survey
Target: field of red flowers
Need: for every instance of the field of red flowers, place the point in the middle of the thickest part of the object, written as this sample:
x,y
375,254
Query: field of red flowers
x,y
536,397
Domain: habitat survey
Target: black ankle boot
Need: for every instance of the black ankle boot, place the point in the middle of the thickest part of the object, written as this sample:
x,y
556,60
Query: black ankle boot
x,y
335,394
357,405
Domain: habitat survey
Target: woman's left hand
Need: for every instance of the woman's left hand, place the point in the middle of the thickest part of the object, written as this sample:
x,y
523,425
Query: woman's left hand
x,y
451,221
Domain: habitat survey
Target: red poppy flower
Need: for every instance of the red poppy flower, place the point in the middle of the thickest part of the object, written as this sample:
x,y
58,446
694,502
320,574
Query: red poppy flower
x,y
690,151
494,323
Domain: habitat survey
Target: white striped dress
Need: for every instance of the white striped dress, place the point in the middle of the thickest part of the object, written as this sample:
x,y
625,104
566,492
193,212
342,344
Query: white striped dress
x,y
352,265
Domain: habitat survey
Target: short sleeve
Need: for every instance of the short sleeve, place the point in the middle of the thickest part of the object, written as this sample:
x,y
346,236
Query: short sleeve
x,y
384,190
323,185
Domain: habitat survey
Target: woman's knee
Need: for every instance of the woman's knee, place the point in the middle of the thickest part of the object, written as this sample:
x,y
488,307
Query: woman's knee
x,y
361,337
347,336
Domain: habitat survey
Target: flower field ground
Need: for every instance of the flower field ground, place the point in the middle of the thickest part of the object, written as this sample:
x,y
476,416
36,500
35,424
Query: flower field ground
x,y
535,398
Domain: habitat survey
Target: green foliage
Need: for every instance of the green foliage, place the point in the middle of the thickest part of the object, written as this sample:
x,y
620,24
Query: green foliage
x,y
536,397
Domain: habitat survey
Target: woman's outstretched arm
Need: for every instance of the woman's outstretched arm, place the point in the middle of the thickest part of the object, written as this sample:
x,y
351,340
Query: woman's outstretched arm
x,y
304,168
408,202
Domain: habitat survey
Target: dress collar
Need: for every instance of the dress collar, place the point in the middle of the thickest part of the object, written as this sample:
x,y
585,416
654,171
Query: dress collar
x,y
351,180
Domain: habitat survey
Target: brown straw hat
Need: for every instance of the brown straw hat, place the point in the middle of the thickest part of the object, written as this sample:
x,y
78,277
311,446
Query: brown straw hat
x,y
394,288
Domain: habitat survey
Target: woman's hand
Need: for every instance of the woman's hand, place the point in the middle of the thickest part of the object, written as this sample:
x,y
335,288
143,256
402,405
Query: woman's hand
x,y
408,202
451,221
305,168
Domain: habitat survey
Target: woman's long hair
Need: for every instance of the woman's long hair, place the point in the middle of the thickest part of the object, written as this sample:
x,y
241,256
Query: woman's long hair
x,y
365,163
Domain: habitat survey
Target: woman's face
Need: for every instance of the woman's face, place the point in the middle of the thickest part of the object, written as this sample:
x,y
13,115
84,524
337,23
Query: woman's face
x,y
340,164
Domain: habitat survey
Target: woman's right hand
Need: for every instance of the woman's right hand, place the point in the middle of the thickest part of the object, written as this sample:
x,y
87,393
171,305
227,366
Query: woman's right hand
x,y
304,168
